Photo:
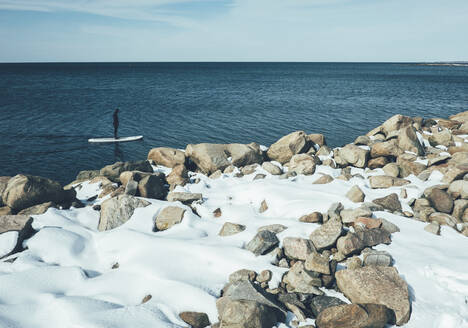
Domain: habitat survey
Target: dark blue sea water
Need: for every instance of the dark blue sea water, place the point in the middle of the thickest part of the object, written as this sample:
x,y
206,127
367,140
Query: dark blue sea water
x,y
48,111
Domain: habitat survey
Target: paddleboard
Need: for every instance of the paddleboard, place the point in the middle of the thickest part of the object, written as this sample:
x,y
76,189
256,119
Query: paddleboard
x,y
123,139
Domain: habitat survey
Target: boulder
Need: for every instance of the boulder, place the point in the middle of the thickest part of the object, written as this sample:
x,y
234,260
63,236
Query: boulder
x,y
377,285
3,184
262,242
297,248
408,141
126,176
459,189
317,139
229,229
300,280
184,197
440,200
210,158
166,156
326,235
352,155
153,186
355,194
242,274
195,319
324,179
131,188
23,191
318,263
249,169
350,244
363,140
20,223
390,202
178,176
168,217
442,219
375,163
395,123
334,211
354,316
87,175
118,210
113,171
379,258
302,164
385,149
444,138
367,222
349,215
433,228
315,217
459,208
456,172
245,314
285,148
272,168
392,169
410,167
320,303
275,228
385,181
246,290
37,209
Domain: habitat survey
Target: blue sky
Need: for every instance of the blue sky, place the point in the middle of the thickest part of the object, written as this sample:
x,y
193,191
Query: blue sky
x,y
233,30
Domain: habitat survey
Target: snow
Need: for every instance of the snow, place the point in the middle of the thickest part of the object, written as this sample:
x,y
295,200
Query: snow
x,y
8,242
65,277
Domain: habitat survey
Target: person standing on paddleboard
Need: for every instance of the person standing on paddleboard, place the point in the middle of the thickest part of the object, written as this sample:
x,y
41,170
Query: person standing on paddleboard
x,y
116,123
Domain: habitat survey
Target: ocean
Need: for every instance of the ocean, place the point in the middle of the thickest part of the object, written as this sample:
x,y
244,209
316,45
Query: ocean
x,y
49,111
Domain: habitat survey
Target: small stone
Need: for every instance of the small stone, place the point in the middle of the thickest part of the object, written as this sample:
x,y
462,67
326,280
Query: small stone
x,y
386,181
242,274
229,229
380,258
355,194
146,299
272,168
353,263
216,175
275,228
195,319
433,227
348,216
324,179
390,202
262,242
259,176
315,217
283,263
263,206
334,211
391,169
184,197
264,276
217,213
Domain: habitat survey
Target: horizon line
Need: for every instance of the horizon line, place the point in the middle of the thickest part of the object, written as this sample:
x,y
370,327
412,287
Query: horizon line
x,y
239,61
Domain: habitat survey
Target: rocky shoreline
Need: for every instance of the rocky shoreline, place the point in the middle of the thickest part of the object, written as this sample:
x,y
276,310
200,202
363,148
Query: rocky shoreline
x,y
413,168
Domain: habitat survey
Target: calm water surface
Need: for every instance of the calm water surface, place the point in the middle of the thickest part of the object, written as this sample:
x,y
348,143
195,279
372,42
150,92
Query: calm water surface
x,y
48,111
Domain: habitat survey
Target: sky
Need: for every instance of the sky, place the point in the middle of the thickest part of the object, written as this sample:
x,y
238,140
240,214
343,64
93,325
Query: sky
x,y
233,30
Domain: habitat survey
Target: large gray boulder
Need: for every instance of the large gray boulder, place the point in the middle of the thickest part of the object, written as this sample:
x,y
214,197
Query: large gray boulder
x,y
210,158
377,285
113,171
166,156
23,191
285,148
118,210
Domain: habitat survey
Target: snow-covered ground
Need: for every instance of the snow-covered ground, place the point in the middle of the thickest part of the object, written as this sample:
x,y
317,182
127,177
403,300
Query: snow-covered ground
x,y
66,277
